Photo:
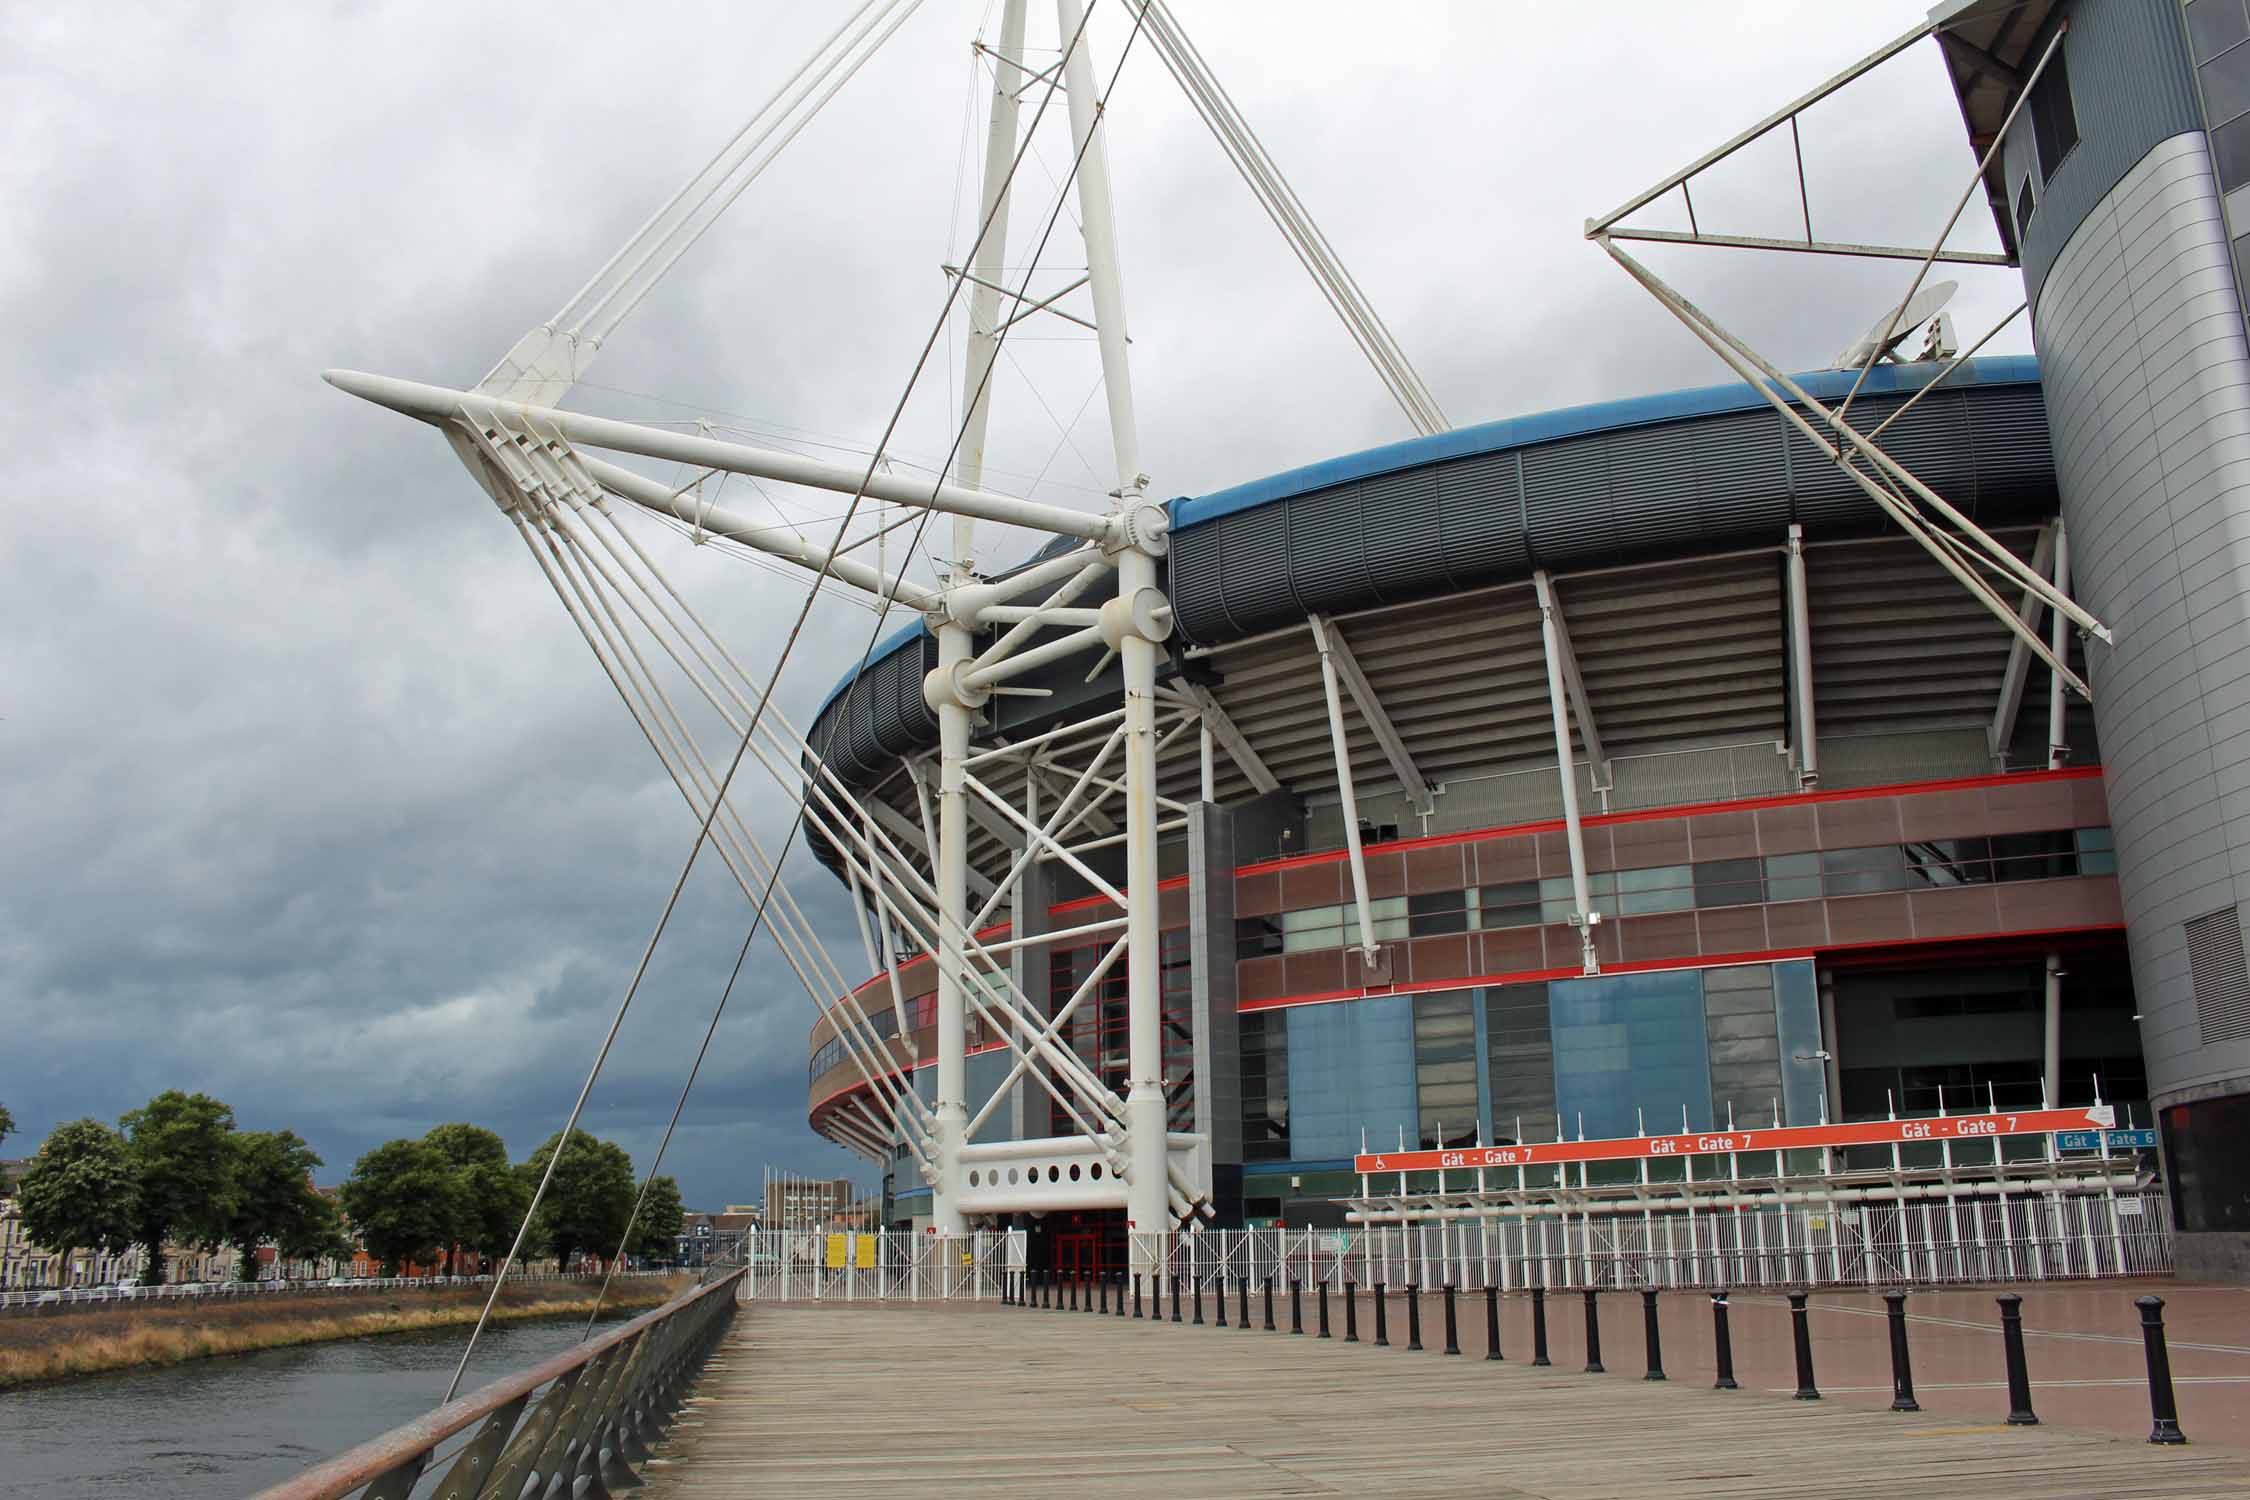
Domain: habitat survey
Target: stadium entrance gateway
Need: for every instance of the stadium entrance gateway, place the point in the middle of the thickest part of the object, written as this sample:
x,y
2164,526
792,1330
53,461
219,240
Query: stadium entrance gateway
x,y
1985,1195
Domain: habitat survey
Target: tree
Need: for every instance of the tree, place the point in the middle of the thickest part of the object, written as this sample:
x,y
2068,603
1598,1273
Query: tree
x,y
403,1202
79,1192
319,1235
177,1146
589,1202
273,1196
493,1195
656,1235
7,1123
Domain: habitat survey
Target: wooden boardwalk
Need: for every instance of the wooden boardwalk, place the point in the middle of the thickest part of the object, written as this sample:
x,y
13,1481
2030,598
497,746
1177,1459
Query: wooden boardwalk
x,y
916,1400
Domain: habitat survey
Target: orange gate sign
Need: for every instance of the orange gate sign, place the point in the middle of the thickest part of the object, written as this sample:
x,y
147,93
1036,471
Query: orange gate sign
x,y
1774,1138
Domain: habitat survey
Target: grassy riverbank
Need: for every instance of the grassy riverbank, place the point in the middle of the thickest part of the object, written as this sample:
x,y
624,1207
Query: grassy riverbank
x,y
85,1342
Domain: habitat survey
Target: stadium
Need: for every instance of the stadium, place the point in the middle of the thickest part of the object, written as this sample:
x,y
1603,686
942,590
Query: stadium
x,y
1838,867
1592,772
1858,752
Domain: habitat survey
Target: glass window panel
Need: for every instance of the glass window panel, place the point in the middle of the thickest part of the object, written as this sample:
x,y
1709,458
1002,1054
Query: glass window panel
x,y
1729,882
2097,852
2033,856
2226,85
1630,1044
1437,913
2230,150
1515,905
1662,888
2026,205
2054,123
1255,937
2215,25
1948,862
1856,872
1313,927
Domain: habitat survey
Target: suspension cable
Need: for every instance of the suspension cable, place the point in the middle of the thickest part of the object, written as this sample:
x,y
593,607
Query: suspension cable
x,y
788,645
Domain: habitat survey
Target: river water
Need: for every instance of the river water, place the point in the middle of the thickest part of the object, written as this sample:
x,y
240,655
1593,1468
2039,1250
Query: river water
x,y
220,1429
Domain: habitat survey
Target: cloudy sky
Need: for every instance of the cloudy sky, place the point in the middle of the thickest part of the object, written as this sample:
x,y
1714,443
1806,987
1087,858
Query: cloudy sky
x,y
311,797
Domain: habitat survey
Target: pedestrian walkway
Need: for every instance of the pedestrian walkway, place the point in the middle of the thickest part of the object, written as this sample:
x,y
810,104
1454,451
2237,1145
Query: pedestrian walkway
x,y
916,1399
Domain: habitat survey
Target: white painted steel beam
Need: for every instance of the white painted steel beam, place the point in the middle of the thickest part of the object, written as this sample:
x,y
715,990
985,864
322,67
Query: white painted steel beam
x,y
774,540
1340,743
984,296
1581,706
1567,769
1371,710
1805,731
435,403
1228,733
2002,730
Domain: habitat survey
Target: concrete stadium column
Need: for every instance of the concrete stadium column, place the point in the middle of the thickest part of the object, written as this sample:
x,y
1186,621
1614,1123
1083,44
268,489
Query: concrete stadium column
x,y
2138,321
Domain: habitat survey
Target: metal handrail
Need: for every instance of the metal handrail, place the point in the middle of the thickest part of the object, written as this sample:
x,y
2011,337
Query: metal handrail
x,y
590,1425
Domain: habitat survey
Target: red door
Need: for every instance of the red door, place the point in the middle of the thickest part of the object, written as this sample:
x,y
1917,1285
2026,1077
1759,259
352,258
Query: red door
x,y
1078,1256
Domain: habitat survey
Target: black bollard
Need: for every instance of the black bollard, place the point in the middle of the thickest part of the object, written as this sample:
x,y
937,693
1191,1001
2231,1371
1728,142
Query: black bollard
x,y
1094,1284
1269,1305
1351,1312
1722,1342
2165,1415
2020,1413
1654,1334
1136,1296
1197,1287
1221,1299
1382,1318
1492,1322
1175,1296
1902,1367
1104,1280
1539,1326
1121,1294
1801,1329
1413,1318
1038,1289
1074,1296
1324,1308
1243,1307
1452,1333
1593,1332
1296,1308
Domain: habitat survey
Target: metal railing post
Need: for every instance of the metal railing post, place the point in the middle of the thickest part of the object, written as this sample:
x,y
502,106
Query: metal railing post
x,y
2020,1413
1902,1366
2164,1415
1800,1327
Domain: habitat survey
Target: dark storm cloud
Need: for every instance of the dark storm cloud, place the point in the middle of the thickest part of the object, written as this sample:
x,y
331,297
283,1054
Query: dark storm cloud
x,y
310,796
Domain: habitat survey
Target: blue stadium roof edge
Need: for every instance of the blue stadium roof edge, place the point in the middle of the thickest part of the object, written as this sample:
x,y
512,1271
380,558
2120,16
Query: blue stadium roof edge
x,y
1579,421
1507,433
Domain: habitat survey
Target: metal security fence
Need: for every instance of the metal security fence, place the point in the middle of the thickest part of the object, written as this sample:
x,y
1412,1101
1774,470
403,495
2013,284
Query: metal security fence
x,y
789,1265
1922,1242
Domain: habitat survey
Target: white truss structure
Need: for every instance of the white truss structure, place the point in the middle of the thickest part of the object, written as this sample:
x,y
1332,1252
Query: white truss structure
x,y
1980,564
913,885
